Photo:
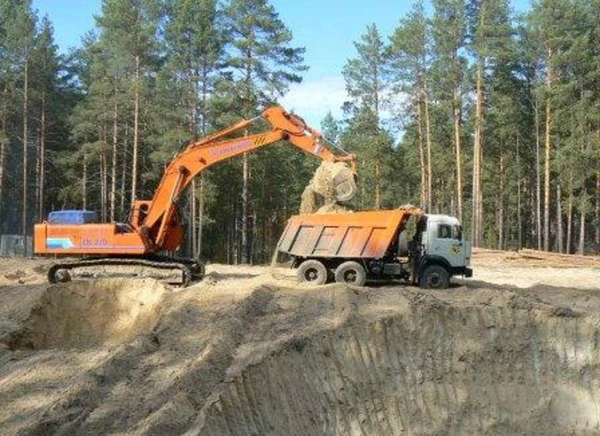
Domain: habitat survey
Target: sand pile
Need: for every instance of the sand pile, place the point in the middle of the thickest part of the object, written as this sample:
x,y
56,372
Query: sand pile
x,y
333,208
308,201
243,353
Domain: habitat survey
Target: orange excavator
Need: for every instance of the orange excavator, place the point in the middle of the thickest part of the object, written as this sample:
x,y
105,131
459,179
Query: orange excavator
x,y
154,226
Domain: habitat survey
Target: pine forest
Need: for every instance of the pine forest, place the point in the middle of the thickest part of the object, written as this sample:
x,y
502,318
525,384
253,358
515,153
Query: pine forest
x,y
467,108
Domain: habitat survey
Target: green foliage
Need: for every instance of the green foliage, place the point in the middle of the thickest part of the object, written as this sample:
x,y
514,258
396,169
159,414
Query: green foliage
x,y
260,55
368,75
195,66
410,50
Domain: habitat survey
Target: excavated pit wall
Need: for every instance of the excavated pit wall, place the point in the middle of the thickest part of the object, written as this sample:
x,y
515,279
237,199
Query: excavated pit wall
x,y
90,314
253,356
436,370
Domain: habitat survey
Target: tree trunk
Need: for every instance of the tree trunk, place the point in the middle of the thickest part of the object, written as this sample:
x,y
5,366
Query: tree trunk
x,y
113,170
38,165
597,211
559,221
25,143
124,169
582,234
136,127
538,178
203,128
255,248
519,208
246,248
245,218
103,176
548,145
2,158
231,233
456,114
193,128
3,140
378,180
569,222
237,242
421,140
429,146
102,188
200,218
192,229
597,200
501,204
42,169
477,221
84,177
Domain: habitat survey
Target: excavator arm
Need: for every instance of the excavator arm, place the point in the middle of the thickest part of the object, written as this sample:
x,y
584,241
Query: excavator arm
x,y
208,151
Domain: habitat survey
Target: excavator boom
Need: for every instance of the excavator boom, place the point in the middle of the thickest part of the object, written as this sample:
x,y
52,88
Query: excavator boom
x,y
201,154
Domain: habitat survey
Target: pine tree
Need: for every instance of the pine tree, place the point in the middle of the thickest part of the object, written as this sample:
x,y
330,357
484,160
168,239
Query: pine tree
x,y
449,32
195,45
4,89
411,54
45,63
330,128
263,63
531,60
490,35
128,31
594,16
18,29
545,20
93,120
367,82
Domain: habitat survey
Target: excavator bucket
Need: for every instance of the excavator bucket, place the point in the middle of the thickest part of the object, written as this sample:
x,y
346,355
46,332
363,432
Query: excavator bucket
x,y
344,183
334,181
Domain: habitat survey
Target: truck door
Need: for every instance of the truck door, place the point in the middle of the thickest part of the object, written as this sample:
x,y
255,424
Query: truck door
x,y
447,242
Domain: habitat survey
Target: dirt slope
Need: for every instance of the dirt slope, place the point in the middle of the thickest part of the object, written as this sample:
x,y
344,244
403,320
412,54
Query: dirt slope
x,y
515,350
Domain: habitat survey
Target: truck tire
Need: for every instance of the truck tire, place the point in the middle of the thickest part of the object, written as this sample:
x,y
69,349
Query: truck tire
x,y
434,277
351,273
312,271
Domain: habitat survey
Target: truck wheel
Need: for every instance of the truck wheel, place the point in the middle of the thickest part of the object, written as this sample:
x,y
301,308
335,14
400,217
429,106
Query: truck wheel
x,y
312,271
435,277
352,273
62,276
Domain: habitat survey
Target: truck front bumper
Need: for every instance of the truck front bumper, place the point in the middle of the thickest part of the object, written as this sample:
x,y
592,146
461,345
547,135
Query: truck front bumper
x,y
462,271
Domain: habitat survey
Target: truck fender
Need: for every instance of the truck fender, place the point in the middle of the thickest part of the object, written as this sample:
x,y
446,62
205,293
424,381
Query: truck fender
x,y
433,260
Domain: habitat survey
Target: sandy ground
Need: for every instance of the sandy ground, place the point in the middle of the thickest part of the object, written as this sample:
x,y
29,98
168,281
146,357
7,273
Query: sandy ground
x,y
250,351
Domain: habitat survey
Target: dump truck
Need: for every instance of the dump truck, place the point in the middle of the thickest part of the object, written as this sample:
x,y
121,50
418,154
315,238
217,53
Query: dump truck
x,y
375,245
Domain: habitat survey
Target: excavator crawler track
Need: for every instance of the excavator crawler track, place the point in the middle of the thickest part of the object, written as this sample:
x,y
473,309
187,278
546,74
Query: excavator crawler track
x,y
191,270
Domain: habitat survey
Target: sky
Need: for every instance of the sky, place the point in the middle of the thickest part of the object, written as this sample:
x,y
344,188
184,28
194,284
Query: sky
x,y
326,28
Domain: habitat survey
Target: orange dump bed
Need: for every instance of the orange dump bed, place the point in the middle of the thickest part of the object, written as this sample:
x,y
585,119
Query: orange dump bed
x,y
345,235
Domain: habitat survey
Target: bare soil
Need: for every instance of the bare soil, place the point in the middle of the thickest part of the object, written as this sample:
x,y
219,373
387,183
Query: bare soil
x,y
250,351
